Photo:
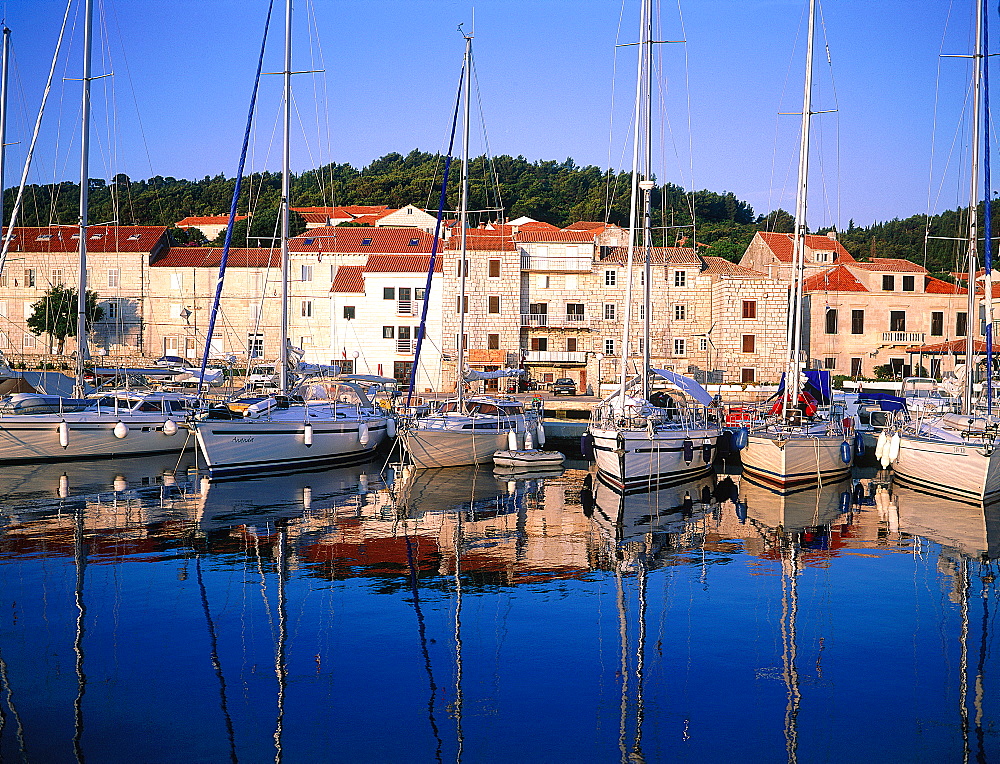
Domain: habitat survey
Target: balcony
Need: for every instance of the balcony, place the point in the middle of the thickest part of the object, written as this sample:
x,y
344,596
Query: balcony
x,y
405,307
555,356
404,347
564,321
903,338
577,263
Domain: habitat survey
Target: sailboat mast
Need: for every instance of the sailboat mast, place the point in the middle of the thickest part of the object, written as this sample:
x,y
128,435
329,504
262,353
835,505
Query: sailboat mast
x,y
286,192
793,384
81,282
634,195
977,116
464,222
3,113
647,189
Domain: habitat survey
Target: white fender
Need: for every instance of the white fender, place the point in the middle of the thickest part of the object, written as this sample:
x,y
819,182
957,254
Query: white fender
x,y
894,448
254,410
170,427
529,444
63,434
169,478
121,430
63,486
363,484
307,434
512,441
390,428
363,435
880,445
540,433
120,483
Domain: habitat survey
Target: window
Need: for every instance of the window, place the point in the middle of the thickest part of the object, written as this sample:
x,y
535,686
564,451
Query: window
x,y
405,293
458,268
961,324
748,376
305,340
307,308
857,322
388,293
703,344
29,277
897,320
135,237
177,282
114,276
574,311
680,278
571,344
749,343
888,282
462,304
308,242
465,340
540,343
388,332
856,367
937,324
3,308
349,312
494,269
609,346
419,292
542,281
493,304
170,346
492,341
111,310
414,242
548,377
680,346
822,257
366,242
609,311
829,363
57,277
3,280
680,312
29,341
610,278
306,271
346,365
749,309
401,371
907,283
255,345
831,321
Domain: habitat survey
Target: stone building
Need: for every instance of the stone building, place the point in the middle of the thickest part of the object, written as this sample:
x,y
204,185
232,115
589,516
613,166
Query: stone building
x,y
209,225
118,272
771,254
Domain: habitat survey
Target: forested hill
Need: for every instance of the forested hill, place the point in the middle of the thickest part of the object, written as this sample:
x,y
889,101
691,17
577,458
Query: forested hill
x,y
555,192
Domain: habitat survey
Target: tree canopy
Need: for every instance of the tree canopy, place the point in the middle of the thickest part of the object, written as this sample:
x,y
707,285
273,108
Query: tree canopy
x,y
55,314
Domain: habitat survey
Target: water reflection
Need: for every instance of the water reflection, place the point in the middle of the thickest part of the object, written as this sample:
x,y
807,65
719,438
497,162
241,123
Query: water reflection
x,y
435,615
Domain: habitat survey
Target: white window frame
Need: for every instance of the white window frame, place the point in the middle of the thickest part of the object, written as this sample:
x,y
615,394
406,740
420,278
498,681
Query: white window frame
x,y
680,278
610,277
680,346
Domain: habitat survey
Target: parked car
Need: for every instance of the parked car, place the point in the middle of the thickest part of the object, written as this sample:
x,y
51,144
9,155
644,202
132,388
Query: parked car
x,y
170,360
564,385
262,375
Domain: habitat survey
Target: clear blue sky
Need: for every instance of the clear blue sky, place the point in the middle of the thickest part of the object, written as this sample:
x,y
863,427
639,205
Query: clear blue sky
x,y
545,69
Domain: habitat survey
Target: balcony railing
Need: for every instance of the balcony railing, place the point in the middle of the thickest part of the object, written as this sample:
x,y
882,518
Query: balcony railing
x,y
554,356
404,347
577,263
534,319
570,320
404,307
902,338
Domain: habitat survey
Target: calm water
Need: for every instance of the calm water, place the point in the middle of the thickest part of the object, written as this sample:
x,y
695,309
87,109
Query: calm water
x,y
451,615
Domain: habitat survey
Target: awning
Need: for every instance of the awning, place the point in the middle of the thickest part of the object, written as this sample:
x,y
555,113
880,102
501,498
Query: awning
x,y
955,347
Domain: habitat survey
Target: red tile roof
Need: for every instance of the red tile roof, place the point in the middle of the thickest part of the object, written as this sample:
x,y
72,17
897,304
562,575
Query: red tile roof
x,y
484,241
836,279
890,264
499,229
955,347
210,257
937,286
719,266
782,246
661,256
351,240
100,238
371,219
585,225
402,263
343,211
349,280
554,235
537,225
192,221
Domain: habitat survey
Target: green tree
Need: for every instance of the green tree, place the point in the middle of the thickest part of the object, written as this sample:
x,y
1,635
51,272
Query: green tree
x,y
55,314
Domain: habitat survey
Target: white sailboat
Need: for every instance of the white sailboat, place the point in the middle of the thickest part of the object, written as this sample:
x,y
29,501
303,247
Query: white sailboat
x,y
789,447
468,430
653,441
325,420
35,427
956,454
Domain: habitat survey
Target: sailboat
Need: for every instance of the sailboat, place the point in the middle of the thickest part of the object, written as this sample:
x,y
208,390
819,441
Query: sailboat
x,y
467,430
791,447
956,454
642,444
37,427
327,418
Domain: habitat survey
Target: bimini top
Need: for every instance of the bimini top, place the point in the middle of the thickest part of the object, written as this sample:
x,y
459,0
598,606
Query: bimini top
x,y
686,385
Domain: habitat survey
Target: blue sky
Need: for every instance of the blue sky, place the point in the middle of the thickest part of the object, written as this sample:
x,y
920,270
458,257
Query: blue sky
x,y
547,74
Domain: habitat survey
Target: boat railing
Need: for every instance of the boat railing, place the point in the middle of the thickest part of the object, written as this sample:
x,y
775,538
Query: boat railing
x,y
638,418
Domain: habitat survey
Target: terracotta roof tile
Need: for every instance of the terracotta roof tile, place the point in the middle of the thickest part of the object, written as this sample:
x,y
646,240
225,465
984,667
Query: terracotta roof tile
x,y
210,257
349,279
719,266
401,263
358,240
483,241
585,225
100,238
192,221
937,286
890,264
782,246
537,225
555,235
661,256
955,347
836,279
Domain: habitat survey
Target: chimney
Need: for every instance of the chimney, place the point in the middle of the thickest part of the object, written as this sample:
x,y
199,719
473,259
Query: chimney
x,y
832,234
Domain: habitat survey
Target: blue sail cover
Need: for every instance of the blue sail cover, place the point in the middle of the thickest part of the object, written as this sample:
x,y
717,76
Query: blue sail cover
x,y
685,385
817,385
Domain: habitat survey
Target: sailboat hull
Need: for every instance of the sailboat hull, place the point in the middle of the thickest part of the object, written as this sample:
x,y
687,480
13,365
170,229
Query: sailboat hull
x,y
631,461
247,447
964,471
441,442
790,460
35,437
